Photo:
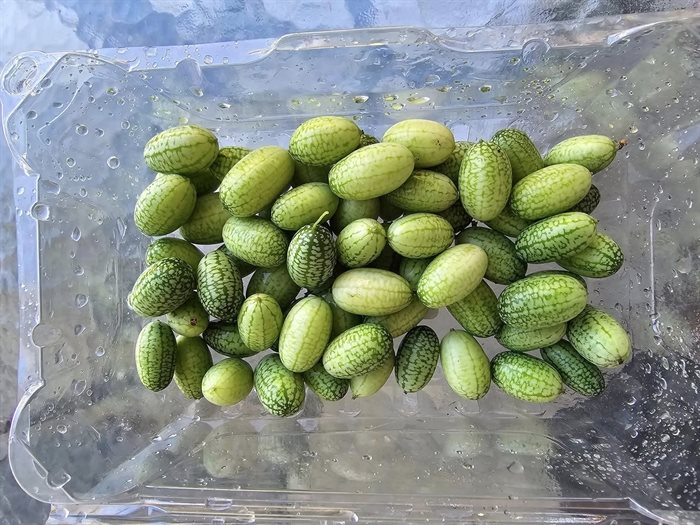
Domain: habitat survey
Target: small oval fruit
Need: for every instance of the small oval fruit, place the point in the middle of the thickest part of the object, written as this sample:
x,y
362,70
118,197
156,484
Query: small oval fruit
x,y
504,264
259,321
155,355
599,338
303,205
465,365
508,223
357,351
417,358
525,377
595,152
276,283
420,235
370,291
527,339
206,221
305,333
184,150
556,237
424,190
311,255
349,211
189,319
225,339
451,165
602,257
219,286
280,391
589,203
162,287
521,152
227,382
412,269
431,143
164,205
360,243
575,371
325,385
322,141
477,313
369,383
402,321
172,247
256,241
485,181
192,361
227,158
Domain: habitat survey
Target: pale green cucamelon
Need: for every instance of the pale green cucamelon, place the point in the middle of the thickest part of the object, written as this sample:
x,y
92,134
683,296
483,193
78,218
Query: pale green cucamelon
x,y
465,365
431,143
162,287
357,351
275,282
508,223
602,257
322,141
522,153
595,152
227,382
599,338
402,321
349,211
526,339
303,205
206,221
192,361
165,205
189,319
184,150
172,247
424,190
155,355
420,235
525,377
256,241
360,243
556,238
370,291
371,382
485,181
259,321
305,333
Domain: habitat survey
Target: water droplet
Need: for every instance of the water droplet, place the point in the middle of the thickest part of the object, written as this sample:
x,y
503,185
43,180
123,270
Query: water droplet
x,y
70,162
197,91
31,115
57,480
100,351
61,429
121,227
126,124
631,401
78,329
112,91
113,162
398,106
367,457
77,269
628,104
75,234
516,467
485,88
83,192
633,129
208,59
79,387
360,99
81,300
612,92
390,98
418,100
224,105
41,212
81,129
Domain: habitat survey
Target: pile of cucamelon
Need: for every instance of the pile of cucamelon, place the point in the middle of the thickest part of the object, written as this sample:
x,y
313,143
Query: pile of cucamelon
x,y
375,234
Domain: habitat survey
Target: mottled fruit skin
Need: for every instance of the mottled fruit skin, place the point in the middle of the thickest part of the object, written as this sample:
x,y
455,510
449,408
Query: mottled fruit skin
x,y
589,203
561,272
342,320
431,143
219,286
322,141
504,264
357,351
412,269
424,190
452,275
465,365
305,333
371,171
549,191
417,358
367,140
542,300
485,181
599,338
370,291
325,385
453,162
172,247
255,181
602,257
228,382
556,237
349,211
165,205
477,313
256,241
192,361
521,152
304,174
420,235
260,321
402,321
280,391
162,287
577,373
525,377
155,355
206,221
189,319
457,216
227,158
360,243
303,205
369,383
225,339
508,223
595,152
527,339
204,182
311,256
275,282
184,150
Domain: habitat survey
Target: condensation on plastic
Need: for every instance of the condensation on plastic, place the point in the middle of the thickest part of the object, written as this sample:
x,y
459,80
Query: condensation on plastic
x,y
86,433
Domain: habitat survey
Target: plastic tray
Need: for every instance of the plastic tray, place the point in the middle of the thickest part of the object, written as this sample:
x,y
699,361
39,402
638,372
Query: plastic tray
x,y
89,439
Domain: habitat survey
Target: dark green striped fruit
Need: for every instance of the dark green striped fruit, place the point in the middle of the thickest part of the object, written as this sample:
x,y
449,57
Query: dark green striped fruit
x,y
420,235
259,321
155,355
305,333
424,190
311,256
349,211
303,205
256,241
402,321
227,158
602,257
504,264
477,313
508,223
453,162
184,150
575,371
522,153
417,358
589,202
189,319
360,243
206,221
172,247
322,141
370,291
342,320
431,143
412,269
204,182
219,286
164,205
280,391
304,174
599,338
162,287
542,300
485,181
526,377
228,382
226,340
527,339
369,383
192,361
556,238
244,268
457,216
325,385
357,351
595,152
276,283
465,365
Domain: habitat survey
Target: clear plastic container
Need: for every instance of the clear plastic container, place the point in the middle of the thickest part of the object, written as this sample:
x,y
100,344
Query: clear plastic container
x,y
88,438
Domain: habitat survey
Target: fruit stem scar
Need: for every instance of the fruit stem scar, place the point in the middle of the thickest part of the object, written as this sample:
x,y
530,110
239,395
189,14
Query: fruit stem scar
x,y
318,221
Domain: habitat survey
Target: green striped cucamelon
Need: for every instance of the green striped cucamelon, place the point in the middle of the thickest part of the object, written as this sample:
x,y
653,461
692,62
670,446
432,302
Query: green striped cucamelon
x,y
420,235
227,382
589,202
504,264
311,256
549,191
244,268
342,320
542,300
527,339
322,141
457,216
465,365
360,243
431,143
357,351
189,319
256,180
599,338
477,313
259,321
303,205
417,358
412,269
595,152
192,361
305,333
424,191
280,391
561,272
227,158
172,247
452,275
206,221
162,287
184,150
526,377
164,205
304,174
371,382
325,385
485,181
556,237
602,257
276,283
371,171
349,211
155,355
577,373
219,286
521,152
225,339
508,223
370,291
451,165
204,182
255,241
402,321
